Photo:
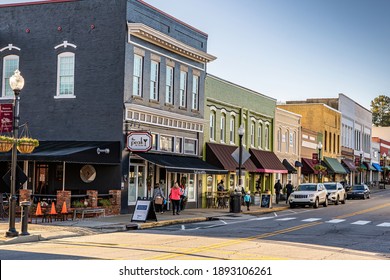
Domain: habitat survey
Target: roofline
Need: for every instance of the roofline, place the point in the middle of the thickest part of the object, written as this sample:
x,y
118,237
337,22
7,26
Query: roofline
x,y
35,3
309,104
172,17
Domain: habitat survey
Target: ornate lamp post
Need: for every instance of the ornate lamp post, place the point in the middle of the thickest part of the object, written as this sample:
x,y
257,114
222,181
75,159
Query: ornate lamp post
x,y
241,131
361,162
17,83
319,147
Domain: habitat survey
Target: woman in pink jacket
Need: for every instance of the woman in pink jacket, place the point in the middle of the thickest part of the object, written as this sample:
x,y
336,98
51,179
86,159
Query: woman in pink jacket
x,y
174,196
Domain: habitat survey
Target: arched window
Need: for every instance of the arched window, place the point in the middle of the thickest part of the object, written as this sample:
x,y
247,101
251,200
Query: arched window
x,y
232,129
266,137
223,127
10,64
212,125
252,133
279,139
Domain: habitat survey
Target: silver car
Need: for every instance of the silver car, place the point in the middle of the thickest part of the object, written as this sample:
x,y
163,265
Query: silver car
x,y
312,194
336,192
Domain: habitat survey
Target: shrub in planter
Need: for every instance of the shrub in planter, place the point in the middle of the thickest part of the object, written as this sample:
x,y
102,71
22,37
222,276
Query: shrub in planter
x,y
104,202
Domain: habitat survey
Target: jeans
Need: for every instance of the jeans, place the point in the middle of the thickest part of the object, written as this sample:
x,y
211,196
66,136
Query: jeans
x,y
175,206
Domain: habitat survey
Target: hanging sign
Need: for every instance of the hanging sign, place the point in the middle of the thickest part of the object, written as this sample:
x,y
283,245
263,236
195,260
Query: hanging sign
x,y
315,158
139,141
6,116
144,210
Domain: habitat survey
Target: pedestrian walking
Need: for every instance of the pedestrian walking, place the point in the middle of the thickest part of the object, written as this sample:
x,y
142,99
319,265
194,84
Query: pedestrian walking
x,y
174,196
247,200
277,187
158,198
183,197
289,189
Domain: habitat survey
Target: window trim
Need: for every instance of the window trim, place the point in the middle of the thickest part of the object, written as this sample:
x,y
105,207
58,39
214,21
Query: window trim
x,y
140,77
195,92
154,81
169,86
59,56
3,81
183,90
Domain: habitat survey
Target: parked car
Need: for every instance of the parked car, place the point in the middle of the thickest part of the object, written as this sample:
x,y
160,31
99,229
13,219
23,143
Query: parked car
x,y
336,192
312,194
359,191
345,185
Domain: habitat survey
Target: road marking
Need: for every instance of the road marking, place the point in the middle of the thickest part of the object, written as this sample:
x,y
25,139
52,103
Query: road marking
x,y
384,225
312,220
262,218
285,219
360,223
364,211
335,221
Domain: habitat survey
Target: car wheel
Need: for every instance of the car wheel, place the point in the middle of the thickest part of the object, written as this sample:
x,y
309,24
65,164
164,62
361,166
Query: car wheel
x,y
292,205
368,196
325,204
344,200
337,201
316,203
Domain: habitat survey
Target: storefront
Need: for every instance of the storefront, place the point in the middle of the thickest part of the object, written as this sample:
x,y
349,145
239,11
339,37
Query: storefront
x,y
335,171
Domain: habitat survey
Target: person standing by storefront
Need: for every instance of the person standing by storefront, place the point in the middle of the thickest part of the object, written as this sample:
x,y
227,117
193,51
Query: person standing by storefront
x,y
183,197
289,189
278,187
158,198
174,196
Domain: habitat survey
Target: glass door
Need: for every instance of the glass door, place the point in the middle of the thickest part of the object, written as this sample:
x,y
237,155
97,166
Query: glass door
x,y
137,184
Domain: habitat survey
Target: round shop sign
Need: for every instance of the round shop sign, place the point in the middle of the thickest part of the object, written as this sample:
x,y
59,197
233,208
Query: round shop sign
x,y
139,141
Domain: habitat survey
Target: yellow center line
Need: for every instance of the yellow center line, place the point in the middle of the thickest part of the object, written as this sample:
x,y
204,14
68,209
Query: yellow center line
x,y
230,242
364,211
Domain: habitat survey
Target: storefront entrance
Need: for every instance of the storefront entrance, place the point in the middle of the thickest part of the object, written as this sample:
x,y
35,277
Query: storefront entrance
x,y
137,183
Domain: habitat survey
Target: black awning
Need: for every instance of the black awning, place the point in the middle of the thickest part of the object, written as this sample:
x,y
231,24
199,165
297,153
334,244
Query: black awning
x,y
184,164
298,164
289,167
72,151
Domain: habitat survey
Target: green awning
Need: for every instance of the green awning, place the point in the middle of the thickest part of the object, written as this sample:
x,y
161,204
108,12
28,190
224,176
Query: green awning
x,y
334,165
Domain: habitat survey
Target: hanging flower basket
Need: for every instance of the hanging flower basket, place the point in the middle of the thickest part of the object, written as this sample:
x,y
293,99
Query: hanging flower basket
x,y
27,145
320,168
6,143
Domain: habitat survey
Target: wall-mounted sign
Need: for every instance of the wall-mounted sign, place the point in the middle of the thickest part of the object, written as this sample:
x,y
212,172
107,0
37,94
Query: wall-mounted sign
x,y
139,141
6,116
315,158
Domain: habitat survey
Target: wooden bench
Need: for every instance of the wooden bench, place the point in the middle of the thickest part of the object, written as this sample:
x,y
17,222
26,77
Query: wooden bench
x,y
87,211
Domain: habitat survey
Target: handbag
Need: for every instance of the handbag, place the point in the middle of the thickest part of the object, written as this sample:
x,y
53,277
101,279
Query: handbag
x,y
158,200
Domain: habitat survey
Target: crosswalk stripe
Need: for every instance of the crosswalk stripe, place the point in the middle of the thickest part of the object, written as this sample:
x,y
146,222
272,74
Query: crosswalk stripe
x,y
335,221
285,219
384,225
360,223
311,220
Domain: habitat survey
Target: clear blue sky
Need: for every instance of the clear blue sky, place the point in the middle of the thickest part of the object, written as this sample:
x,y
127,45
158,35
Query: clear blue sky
x,y
294,49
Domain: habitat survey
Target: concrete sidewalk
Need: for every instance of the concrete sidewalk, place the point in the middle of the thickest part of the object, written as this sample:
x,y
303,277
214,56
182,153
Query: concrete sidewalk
x,y
88,226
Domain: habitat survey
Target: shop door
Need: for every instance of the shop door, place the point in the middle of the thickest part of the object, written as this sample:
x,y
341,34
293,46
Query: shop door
x,y
42,179
137,184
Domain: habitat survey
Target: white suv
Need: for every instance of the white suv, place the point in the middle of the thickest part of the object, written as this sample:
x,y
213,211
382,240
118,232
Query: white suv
x,y
312,194
336,192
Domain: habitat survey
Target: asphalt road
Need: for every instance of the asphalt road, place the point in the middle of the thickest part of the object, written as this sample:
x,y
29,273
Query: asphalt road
x,y
358,230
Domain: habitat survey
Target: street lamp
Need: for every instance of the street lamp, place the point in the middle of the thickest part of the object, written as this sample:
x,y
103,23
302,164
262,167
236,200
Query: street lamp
x,y
361,172
16,82
319,147
241,131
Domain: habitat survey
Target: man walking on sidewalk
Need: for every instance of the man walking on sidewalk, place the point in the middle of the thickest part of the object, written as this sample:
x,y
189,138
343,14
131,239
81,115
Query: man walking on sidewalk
x,y
278,187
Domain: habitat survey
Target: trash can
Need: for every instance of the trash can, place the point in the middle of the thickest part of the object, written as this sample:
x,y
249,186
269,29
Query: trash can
x,y
235,202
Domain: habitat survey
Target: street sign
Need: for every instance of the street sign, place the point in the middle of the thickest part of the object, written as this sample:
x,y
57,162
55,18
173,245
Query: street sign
x,y
245,155
6,116
139,141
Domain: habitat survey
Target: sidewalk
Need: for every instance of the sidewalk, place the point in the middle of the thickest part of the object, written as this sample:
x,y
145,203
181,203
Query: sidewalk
x,y
89,226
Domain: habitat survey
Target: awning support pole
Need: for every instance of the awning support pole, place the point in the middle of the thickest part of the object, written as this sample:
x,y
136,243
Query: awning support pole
x,y
63,176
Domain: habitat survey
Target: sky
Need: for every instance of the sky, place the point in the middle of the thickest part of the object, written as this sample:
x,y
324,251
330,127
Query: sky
x,y
294,49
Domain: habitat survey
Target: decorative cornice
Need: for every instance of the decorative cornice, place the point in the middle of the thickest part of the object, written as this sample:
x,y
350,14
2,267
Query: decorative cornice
x,y
162,40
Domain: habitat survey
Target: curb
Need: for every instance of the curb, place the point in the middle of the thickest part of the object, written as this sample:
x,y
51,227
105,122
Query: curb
x,y
22,239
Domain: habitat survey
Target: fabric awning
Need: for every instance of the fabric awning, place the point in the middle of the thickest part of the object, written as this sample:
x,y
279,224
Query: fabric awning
x,y
334,165
298,163
289,167
369,166
184,164
349,164
221,156
266,162
308,166
377,167
72,151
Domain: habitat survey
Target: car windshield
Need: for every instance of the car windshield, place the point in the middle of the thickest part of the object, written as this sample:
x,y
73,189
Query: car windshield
x,y
312,188
358,188
330,186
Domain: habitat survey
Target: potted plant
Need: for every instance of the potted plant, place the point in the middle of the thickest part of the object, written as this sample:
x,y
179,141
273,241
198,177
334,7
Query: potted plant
x,y
26,145
6,143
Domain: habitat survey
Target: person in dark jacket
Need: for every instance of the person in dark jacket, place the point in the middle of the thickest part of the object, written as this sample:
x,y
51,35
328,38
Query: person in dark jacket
x,y
277,187
289,189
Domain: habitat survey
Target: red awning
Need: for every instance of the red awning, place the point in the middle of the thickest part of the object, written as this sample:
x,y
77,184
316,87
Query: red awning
x,y
221,155
308,166
349,164
267,162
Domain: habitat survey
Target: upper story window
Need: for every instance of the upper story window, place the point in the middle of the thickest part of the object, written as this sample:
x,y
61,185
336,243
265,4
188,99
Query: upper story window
x,y
195,92
223,127
232,129
260,136
10,64
183,89
279,139
252,134
166,143
169,85
65,74
287,141
137,75
266,137
190,146
154,67
212,125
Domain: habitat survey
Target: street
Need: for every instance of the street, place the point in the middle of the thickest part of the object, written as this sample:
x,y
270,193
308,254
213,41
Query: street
x,y
358,230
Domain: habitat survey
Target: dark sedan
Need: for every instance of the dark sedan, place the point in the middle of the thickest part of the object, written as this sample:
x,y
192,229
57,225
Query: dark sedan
x,y
359,191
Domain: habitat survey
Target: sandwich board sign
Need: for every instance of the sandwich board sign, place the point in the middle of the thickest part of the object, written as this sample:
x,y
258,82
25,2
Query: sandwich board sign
x,y
144,210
